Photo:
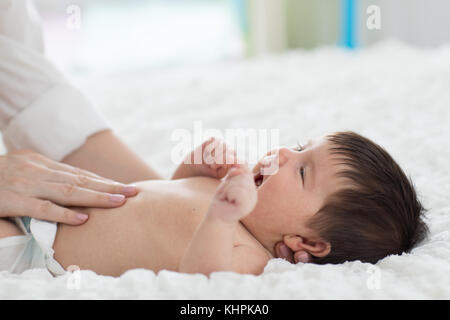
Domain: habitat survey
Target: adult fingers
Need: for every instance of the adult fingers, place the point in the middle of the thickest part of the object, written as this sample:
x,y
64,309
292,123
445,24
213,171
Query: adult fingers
x,y
79,177
88,182
66,192
19,205
70,169
70,195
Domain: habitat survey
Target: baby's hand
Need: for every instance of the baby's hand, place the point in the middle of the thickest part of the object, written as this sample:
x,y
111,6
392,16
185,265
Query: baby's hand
x,y
212,159
235,197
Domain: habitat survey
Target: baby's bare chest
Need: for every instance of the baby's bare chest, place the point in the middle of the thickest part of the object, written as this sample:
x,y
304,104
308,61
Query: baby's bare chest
x,y
152,230
172,215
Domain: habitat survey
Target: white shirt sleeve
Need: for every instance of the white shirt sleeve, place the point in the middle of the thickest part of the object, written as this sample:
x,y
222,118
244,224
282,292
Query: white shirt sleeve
x,y
39,108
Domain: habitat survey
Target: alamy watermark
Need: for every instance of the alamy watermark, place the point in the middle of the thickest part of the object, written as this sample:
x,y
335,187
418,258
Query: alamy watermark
x,y
73,21
373,282
248,144
373,21
74,278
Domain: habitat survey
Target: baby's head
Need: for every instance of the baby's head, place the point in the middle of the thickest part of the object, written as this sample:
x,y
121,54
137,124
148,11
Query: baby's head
x,y
340,198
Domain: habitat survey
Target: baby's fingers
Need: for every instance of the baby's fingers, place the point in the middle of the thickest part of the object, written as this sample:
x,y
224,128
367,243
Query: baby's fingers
x,y
221,168
239,170
263,162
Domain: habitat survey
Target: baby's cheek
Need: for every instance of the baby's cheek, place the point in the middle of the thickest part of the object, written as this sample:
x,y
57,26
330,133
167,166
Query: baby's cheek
x,y
284,197
269,197
276,186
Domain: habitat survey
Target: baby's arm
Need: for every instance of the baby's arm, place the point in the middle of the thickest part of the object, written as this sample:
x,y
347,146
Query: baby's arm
x,y
213,158
212,246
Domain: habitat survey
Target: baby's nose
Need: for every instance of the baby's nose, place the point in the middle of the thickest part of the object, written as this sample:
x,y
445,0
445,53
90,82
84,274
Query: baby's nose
x,y
285,153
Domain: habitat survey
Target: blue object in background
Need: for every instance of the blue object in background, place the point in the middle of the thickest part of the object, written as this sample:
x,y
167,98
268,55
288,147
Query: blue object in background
x,y
241,9
348,24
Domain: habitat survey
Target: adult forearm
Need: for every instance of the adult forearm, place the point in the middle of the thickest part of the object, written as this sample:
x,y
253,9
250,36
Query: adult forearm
x,y
105,154
183,171
211,248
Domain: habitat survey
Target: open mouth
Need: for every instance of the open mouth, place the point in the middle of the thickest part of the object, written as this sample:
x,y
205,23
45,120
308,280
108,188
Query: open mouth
x,y
259,179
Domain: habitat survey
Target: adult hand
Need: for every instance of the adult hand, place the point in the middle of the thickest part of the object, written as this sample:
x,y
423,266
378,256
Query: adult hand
x,y
33,185
284,252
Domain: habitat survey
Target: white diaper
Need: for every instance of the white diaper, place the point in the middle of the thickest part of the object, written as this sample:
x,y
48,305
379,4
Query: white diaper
x,y
32,250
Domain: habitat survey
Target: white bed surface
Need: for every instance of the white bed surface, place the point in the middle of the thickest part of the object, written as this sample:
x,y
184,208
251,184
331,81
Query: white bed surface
x,y
394,94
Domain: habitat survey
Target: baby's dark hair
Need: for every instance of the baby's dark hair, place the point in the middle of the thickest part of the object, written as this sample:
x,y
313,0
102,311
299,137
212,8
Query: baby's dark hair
x,y
377,214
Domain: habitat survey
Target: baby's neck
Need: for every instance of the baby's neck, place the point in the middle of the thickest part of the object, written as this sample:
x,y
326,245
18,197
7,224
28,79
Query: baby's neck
x,y
267,244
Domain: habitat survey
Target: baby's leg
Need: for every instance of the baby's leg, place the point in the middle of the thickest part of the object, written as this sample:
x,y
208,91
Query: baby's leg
x,y
106,155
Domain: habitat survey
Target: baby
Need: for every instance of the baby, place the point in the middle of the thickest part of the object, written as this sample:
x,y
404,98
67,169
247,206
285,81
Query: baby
x,y
338,198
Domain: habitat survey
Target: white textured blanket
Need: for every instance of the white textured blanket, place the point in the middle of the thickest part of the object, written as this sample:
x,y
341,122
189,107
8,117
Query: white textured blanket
x,y
396,95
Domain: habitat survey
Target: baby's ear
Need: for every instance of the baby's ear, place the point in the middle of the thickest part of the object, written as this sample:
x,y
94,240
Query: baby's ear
x,y
294,242
318,248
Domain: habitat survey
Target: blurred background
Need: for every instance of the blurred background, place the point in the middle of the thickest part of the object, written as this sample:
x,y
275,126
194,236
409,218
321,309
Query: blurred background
x,y
88,37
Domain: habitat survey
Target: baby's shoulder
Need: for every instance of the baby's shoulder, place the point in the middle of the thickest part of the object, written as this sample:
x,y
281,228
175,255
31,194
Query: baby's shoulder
x,y
250,257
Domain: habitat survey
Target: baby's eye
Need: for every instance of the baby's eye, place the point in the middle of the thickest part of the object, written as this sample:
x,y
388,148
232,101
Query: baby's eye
x,y
299,147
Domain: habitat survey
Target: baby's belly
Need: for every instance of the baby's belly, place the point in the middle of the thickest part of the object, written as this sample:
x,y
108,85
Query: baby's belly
x,y
152,230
